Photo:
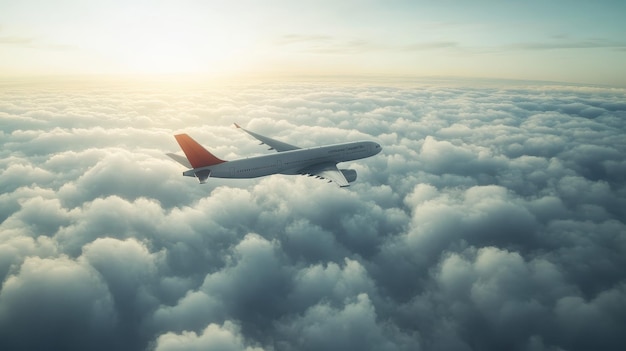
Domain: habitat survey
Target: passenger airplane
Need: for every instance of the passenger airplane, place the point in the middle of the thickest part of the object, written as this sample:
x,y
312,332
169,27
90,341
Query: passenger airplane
x,y
320,161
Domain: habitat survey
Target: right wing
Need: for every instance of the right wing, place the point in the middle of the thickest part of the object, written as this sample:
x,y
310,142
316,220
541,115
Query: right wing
x,y
273,144
327,170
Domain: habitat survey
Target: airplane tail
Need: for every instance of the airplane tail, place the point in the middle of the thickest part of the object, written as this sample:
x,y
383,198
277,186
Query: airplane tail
x,y
197,155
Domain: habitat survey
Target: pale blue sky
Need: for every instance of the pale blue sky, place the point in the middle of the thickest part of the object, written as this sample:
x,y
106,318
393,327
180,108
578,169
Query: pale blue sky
x,y
571,41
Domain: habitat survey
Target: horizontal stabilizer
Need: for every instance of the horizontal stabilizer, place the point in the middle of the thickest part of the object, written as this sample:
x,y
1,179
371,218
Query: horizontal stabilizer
x,y
180,159
203,176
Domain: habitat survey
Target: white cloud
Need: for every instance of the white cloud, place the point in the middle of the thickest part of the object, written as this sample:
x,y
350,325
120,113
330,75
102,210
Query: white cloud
x,y
226,337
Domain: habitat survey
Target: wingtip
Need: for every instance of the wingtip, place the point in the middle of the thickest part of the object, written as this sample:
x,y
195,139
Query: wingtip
x,y
237,125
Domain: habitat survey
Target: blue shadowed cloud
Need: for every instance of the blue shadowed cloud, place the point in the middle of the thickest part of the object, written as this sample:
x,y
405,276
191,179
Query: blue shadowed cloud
x,y
493,219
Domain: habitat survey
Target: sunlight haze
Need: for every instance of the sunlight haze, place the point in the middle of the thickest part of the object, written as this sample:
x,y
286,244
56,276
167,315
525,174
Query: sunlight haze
x,y
568,41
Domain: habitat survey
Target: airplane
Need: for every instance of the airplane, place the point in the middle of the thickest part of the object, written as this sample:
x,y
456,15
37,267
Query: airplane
x,y
319,162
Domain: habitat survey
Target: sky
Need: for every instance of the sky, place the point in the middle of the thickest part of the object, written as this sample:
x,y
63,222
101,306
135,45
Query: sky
x,y
564,41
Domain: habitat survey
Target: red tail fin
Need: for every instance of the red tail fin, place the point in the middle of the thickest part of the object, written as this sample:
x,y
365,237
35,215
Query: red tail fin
x,y
196,154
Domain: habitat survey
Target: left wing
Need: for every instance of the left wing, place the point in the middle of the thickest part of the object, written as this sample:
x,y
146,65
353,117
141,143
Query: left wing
x,y
327,171
273,144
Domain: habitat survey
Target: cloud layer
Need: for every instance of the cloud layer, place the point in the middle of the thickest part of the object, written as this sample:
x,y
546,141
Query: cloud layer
x,y
493,219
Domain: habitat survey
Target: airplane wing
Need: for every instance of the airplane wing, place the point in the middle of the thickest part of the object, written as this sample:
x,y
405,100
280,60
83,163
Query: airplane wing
x,y
273,144
327,171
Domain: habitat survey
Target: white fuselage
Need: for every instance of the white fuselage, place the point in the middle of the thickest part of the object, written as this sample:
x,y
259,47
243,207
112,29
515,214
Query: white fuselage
x,y
290,162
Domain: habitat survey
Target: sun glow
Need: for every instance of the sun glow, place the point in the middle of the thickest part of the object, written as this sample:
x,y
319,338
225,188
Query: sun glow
x,y
175,44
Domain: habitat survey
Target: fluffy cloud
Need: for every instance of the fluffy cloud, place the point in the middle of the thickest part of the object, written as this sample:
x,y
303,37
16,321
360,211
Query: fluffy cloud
x,y
493,219
56,303
214,337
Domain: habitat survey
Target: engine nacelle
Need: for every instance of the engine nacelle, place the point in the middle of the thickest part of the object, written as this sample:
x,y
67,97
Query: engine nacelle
x,y
350,174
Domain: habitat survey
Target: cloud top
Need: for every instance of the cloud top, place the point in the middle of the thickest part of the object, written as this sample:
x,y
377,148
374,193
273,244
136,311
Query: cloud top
x,y
494,219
